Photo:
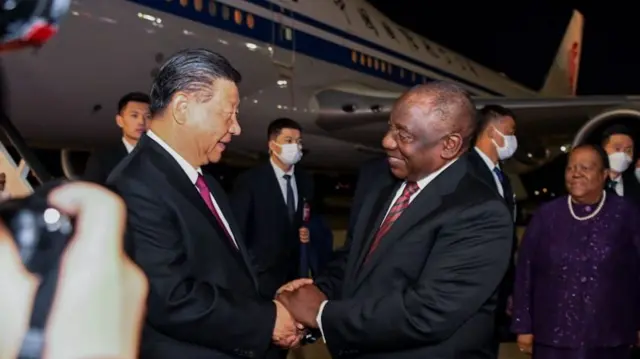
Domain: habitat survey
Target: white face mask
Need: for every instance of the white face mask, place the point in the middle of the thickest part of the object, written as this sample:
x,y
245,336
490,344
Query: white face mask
x,y
291,153
637,172
509,148
619,161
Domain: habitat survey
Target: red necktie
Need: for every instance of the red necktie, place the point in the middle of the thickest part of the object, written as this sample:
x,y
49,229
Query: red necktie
x,y
394,213
202,187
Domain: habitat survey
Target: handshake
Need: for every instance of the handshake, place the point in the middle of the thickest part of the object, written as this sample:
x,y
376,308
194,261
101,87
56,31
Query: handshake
x,y
297,305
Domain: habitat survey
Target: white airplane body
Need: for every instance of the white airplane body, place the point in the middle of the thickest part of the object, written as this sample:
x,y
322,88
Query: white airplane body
x,y
334,66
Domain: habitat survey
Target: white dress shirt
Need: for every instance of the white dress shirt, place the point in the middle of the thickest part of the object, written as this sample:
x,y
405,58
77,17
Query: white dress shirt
x,y
128,146
421,185
491,166
283,183
192,173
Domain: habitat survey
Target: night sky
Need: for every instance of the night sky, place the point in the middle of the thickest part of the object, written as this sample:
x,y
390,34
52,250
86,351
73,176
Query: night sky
x,y
521,38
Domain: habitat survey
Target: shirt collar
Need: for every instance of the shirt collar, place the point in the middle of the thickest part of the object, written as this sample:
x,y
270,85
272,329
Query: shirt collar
x,y
486,159
129,147
190,171
279,172
425,181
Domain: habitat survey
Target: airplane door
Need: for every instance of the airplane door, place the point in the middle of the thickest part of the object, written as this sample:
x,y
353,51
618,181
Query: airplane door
x,y
283,39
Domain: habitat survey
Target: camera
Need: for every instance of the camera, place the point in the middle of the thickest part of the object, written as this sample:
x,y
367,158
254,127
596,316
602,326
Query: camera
x,y
41,234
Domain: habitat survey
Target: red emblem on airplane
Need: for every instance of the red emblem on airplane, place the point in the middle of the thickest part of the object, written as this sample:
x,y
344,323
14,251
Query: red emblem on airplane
x,y
574,54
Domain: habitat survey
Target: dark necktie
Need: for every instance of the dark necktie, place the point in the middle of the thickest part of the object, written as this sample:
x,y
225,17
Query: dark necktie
x,y
291,204
612,185
202,187
499,173
394,213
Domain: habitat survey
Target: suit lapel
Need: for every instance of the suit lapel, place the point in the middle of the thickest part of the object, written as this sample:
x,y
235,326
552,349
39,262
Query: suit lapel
x,y
301,185
182,184
273,189
427,201
218,193
369,219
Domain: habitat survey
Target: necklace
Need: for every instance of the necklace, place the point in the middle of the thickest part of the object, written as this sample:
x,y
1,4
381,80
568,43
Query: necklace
x,y
591,215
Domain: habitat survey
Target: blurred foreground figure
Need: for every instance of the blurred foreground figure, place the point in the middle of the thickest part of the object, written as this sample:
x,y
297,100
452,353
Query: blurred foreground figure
x,y
99,302
576,292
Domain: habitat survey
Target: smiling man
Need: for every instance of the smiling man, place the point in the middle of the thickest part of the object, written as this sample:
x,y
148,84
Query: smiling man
x,y
203,298
427,253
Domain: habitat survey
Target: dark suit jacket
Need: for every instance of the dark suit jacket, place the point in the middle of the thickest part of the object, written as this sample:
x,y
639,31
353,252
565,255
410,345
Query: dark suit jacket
x,y
428,291
373,174
203,299
503,321
102,162
261,211
631,186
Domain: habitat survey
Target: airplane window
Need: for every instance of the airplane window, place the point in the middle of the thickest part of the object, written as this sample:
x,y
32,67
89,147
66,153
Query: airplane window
x,y
430,49
341,5
367,21
409,38
389,31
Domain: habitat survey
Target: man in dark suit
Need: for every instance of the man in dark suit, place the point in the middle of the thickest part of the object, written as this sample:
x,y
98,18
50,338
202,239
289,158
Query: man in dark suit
x,y
496,141
268,202
204,299
617,141
132,117
427,253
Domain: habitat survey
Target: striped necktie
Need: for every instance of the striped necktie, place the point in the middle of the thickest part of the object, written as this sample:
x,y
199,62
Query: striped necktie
x,y
396,210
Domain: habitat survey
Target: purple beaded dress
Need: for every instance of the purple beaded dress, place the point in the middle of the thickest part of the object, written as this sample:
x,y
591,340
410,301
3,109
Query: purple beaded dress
x,y
577,287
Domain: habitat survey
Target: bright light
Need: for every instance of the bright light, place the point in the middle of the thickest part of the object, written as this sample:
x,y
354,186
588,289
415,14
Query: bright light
x,y
282,83
536,193
544,190
148,17
563,148
51,215
251,46
529,155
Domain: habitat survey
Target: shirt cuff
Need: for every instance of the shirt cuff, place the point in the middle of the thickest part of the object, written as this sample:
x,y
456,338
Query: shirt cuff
x,y
319,319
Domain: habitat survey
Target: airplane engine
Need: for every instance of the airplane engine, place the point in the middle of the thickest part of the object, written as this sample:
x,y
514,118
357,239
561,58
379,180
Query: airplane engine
x,y
591,131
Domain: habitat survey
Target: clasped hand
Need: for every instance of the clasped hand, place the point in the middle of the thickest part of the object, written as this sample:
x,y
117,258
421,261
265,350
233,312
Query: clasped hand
x,y
298,303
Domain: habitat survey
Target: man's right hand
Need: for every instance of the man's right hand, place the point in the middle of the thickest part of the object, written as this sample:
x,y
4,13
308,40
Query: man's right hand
x,y
525,343
286,333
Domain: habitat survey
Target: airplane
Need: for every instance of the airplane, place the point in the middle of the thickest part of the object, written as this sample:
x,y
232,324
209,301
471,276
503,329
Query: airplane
x,y
335,66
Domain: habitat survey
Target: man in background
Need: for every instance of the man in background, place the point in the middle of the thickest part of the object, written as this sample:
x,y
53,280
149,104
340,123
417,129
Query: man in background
x,y
268,202
132,117
496,142
617,141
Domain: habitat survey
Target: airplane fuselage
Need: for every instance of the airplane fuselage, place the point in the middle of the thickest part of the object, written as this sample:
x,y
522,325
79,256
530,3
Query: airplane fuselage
x,y
310,60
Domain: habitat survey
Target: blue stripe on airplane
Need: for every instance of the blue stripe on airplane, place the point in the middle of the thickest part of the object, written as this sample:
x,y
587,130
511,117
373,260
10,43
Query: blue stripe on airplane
x,y
308,44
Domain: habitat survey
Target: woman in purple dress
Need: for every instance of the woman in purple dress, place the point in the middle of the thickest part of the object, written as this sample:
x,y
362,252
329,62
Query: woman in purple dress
x,y
578,273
